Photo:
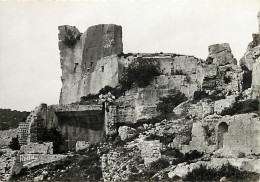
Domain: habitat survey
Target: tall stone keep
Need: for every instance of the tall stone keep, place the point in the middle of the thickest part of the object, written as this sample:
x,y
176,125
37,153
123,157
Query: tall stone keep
x,y
87,60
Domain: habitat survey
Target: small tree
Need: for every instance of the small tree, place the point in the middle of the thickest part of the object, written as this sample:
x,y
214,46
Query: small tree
x,y
14,144
168,103
140,72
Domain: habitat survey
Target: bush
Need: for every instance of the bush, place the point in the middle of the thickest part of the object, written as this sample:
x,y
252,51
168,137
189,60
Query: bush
x,y
227,80
14,144
180,157
159,164
140,72
90,98
240,107
1,153
124,55
199,95
149,172
168,103
230,172
70,40
247,78
165,139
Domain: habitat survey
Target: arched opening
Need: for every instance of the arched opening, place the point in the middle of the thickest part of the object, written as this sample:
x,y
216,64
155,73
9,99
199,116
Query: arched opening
x,y
222,128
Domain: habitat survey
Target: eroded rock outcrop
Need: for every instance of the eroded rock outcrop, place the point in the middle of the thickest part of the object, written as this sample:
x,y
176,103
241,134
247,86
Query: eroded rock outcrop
x,y
86,62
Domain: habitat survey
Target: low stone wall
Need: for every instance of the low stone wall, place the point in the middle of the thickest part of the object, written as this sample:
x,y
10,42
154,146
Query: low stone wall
x,y
151,151
31,160
36,148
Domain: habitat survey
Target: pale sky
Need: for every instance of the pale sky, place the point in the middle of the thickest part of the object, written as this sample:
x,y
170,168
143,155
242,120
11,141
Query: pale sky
x,y
29,56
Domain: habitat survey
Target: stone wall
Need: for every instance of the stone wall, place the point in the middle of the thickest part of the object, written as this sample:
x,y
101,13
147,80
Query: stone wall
x,y
111,117
241,136
31,160
75,122
256,79
27,131
37,148
151,151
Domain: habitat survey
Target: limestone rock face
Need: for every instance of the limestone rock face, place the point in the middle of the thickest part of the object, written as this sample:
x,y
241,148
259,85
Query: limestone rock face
x,y
87,60
221,72
258,16
220,54
253,49
256,79
101,41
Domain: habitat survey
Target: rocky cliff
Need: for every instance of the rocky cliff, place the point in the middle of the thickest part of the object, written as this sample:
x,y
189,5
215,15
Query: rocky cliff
x,y
87,60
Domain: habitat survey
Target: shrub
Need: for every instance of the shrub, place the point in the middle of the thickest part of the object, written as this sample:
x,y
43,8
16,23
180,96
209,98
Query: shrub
x,y
140,72
240,107
149,172
227,80
1,153
247,78
159,164
14,144
230,172
199,95
70,40
90,98
124,55
165,139
180,157
168,103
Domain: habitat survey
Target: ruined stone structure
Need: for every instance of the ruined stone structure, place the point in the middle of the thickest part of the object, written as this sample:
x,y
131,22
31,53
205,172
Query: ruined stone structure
x,y
87,60
95,59
75,122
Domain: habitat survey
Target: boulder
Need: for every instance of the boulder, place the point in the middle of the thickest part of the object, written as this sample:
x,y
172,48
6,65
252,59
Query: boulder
x,y
126,132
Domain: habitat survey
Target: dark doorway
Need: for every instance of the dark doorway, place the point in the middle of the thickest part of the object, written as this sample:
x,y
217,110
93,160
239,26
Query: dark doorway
x,y
222,128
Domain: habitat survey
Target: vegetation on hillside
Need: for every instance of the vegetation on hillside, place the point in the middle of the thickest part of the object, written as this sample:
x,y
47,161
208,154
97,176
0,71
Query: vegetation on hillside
x,y
10,119
247,78
168,103
138,72
70,39
240,107
14,144
83,167
228,171
216,95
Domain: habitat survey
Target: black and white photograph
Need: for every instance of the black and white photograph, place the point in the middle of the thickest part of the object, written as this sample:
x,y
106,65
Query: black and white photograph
x,y
130,90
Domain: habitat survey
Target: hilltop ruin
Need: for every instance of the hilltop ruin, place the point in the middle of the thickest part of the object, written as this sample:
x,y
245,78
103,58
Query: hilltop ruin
x,y
218,115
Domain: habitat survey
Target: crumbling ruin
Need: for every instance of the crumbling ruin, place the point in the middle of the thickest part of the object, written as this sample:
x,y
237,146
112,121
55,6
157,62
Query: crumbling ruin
x,y
208,121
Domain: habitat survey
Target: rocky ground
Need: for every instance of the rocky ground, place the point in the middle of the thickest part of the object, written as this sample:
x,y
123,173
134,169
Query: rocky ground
x,y
123,160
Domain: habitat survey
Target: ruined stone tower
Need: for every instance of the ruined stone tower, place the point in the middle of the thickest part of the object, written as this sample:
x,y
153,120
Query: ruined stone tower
x,y
86,60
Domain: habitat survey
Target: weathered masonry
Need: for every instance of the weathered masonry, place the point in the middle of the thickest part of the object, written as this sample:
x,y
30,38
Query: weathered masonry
x,y
95,59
